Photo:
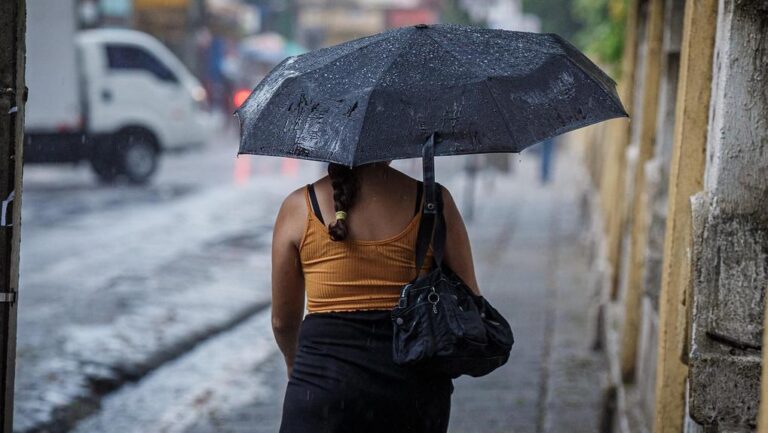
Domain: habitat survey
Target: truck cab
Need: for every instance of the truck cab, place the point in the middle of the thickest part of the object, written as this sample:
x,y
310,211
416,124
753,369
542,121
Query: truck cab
x,y
134,100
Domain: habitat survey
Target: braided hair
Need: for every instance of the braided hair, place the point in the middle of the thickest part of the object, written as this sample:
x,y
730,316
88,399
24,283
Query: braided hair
x,y
344,185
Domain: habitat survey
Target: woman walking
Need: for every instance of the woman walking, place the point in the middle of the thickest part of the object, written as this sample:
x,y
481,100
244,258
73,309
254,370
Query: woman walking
x,y
347,243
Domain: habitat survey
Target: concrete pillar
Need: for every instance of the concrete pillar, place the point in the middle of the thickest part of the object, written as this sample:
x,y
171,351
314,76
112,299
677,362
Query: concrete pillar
x,y
611,188
685,179
657,169
730,236
655,210
614,187
12,98
646,135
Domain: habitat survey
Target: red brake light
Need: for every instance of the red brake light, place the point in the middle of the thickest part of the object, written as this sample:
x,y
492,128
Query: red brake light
x,y
240,97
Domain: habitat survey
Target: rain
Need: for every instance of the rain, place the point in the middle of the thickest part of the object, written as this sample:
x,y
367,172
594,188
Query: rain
x,y
597,152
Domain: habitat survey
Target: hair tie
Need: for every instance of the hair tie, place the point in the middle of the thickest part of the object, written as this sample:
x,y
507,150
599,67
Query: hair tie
x,y
341,215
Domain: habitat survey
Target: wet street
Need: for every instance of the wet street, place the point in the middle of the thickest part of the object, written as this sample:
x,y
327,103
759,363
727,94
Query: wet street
x,y
146,309
117,280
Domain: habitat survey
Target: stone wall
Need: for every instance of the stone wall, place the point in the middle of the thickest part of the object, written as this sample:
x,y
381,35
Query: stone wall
x,y
684,339
730,246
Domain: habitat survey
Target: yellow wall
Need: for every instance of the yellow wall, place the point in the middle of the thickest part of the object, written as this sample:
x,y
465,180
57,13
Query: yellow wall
x,y
686,178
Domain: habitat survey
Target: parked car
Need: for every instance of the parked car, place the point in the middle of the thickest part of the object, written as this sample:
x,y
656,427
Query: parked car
x,y
115,97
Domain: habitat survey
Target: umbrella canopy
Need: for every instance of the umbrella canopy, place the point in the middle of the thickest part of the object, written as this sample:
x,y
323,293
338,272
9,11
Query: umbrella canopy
x,y
381,97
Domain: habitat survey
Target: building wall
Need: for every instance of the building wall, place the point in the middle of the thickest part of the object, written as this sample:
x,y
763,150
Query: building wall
x,y
730,247
656,189
684,293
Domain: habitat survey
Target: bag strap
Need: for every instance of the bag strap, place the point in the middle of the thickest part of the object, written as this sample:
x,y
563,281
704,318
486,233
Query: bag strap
x,y
432,221
438,239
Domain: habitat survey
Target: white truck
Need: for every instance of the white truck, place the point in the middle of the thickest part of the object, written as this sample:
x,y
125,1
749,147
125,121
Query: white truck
x,y
114,97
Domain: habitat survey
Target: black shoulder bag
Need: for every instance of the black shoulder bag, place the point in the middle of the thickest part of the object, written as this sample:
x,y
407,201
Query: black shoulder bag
x,y
439,323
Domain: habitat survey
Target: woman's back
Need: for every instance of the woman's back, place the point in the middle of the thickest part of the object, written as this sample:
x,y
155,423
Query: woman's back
x,y
368,268
383,202
350,254
364,227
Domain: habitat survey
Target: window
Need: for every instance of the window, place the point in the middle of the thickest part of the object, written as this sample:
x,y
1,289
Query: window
x,y
123,56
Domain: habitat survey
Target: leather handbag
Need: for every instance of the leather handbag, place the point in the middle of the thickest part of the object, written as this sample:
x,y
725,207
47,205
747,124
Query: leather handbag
x,y
439,323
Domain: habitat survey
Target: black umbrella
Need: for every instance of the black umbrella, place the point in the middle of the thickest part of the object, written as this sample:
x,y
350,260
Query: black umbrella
x,y
381,97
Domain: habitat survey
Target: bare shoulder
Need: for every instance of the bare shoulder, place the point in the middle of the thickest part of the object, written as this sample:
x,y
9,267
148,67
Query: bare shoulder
x,y
289,223
294,203
450,209
449,205
446,194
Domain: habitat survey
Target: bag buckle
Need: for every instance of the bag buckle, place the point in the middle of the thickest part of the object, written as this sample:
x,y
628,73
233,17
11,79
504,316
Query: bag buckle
x,y
433,298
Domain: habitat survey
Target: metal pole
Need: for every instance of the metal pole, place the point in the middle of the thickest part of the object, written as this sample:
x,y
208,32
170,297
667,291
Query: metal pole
x,y
12,98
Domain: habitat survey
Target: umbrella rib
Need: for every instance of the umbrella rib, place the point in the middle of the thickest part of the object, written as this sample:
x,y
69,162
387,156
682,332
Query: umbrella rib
x,y
460,60
403,42
324,64
610,92
576,57
498,106
320,66
484,79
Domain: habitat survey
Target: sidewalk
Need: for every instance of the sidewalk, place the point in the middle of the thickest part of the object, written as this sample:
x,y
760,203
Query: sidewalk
x,y
532,267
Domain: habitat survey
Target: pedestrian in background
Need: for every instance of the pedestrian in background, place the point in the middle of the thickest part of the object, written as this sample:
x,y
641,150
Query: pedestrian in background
x,y
547,154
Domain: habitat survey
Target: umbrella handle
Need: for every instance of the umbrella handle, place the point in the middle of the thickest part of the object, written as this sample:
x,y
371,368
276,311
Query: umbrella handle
x,y
431,213
428,165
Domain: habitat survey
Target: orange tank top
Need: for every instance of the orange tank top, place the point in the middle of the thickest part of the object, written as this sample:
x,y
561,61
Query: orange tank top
x,y
354,275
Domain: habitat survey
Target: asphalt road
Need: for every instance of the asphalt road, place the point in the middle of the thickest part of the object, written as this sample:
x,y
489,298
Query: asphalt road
x,y
117,280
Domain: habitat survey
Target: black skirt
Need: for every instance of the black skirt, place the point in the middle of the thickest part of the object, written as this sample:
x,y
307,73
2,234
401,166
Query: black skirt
x,y
344,381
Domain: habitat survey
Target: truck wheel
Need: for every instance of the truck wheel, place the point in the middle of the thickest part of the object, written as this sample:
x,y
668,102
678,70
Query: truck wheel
x,y
105,169
137,157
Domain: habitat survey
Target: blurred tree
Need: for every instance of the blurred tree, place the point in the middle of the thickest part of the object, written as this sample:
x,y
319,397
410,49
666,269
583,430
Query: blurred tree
x,y
595,26
557,16
602,33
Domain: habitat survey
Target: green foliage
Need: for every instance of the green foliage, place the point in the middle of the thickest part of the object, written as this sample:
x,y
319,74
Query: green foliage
x,y
602,34
595,26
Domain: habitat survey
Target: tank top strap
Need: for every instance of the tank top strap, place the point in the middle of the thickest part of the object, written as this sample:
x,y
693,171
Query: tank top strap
x,y
312,204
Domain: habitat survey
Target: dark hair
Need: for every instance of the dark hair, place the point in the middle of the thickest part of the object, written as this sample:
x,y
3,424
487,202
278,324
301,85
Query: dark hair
x,y
344,185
